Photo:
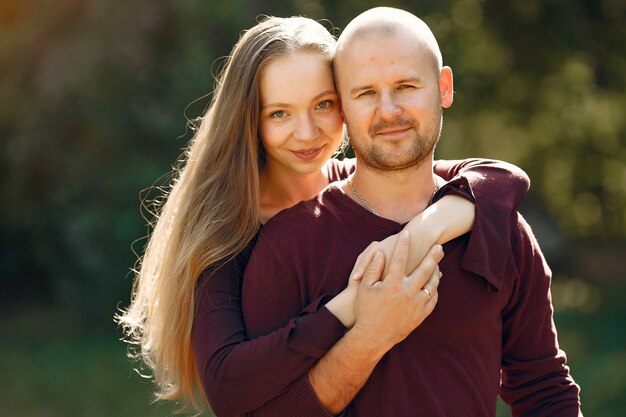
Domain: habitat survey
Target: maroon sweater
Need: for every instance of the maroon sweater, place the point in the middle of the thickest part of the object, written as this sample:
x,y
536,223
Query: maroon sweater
x,y
491,332
239,375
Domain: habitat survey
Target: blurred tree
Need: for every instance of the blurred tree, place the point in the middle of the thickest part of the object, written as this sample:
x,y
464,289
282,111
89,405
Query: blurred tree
x,y
95,95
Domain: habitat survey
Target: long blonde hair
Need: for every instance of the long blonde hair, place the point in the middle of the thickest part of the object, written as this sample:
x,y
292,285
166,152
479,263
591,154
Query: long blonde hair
x,y
211,211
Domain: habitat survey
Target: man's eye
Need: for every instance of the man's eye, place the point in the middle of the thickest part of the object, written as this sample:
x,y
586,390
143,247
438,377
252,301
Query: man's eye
x,y
366,93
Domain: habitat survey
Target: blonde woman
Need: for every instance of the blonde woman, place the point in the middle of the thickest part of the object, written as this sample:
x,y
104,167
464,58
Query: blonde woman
x,y
264,145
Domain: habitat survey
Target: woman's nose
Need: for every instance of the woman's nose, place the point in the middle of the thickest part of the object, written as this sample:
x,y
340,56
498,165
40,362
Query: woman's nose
x,y
306,128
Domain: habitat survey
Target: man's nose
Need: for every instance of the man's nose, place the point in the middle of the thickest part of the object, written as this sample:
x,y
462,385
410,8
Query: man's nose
x,y
388,106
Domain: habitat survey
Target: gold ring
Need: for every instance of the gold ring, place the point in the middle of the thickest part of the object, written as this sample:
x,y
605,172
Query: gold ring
x,y
427,292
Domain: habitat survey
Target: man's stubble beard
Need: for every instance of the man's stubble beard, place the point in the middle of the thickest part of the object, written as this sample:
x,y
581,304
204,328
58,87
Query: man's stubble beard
x,y
421,147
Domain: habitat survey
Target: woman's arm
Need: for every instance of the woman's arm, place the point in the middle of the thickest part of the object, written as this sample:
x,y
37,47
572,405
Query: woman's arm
x,y
469,180
239,375
479,180
441,222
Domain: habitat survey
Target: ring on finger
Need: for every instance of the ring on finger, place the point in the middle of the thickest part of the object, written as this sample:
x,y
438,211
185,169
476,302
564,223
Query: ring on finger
x,y
427,293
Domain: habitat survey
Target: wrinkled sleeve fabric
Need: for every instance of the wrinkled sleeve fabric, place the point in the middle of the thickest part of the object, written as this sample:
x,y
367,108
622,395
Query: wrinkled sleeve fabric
x,y
273,294
483,181
239,374
478,180
535,379
267,372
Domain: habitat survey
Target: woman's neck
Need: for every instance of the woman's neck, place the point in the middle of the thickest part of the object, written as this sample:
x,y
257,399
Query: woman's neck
x,y
281,190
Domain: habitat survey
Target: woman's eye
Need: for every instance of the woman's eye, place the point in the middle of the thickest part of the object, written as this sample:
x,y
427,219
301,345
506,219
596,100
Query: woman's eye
x,y
278,114
366,93
324,104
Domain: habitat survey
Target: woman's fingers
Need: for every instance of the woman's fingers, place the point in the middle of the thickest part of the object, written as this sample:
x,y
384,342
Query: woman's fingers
x,y
362,262
427,267
374,271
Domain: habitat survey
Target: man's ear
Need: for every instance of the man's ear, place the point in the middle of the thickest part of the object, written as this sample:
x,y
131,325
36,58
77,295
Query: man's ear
x,y
446,87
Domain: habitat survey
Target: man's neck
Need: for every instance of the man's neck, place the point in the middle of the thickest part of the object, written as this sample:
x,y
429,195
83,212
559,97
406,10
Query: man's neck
x,y
394,195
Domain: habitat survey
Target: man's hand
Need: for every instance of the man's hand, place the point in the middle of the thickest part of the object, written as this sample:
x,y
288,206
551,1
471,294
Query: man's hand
x,y
389,309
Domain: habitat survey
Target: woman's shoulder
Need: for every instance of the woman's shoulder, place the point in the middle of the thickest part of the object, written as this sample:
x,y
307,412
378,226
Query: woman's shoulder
x,y
223,272
340,169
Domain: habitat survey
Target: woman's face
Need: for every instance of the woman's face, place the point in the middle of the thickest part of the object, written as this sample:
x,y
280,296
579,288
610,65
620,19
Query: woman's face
x,y
300,121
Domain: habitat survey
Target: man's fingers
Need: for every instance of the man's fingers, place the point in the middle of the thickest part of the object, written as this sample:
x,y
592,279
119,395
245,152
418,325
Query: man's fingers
x,y
430,287
423,272
397,264
374,270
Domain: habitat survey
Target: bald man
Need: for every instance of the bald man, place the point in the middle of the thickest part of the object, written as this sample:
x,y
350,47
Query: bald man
x,y
491,332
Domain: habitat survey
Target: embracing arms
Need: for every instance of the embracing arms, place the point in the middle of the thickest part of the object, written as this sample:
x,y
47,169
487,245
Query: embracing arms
x,y
441,222
240,375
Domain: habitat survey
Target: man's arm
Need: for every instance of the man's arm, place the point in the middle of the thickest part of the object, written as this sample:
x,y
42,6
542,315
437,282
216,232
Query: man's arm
x,y
471,201
535,379
396,299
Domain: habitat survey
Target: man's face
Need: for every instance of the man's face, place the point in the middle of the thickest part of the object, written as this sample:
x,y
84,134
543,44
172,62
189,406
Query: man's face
x,y
392,95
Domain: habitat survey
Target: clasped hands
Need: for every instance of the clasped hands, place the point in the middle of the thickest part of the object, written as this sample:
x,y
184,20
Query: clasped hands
x,y
383,302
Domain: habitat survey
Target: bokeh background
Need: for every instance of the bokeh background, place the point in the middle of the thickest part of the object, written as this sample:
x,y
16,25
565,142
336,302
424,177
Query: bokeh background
x,y
94,101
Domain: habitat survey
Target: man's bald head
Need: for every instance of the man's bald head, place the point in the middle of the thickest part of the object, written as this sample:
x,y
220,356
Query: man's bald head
x,y
388,21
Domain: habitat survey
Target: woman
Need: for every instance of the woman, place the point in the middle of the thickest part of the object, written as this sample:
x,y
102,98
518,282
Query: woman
x,y
263,146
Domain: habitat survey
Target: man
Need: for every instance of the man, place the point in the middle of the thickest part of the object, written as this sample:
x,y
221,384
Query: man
x,y
491,331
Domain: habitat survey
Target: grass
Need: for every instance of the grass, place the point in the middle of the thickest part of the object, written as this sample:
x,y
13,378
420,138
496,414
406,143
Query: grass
x,y
54,367
73,376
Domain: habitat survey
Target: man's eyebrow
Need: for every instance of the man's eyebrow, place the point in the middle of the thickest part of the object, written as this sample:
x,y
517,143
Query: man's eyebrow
x,y
410,80
401,81
361,88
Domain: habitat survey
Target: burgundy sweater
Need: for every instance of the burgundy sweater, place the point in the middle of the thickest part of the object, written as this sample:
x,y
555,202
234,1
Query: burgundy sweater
x,y
491,332
241,374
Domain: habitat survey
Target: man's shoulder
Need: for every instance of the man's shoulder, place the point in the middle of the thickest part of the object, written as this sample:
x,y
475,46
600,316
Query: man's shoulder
x,y
521,232
525,248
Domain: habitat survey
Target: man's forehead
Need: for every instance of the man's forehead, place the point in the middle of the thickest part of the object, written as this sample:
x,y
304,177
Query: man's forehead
x,y
388,22
400,44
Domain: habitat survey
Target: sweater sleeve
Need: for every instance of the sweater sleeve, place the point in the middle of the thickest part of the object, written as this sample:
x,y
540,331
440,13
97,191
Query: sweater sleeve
x,y
271,294
535,379
239,374
484,180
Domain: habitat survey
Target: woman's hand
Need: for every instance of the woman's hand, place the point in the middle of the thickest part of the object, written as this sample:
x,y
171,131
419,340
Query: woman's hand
x,y
442,221
385,246
342,305
417,250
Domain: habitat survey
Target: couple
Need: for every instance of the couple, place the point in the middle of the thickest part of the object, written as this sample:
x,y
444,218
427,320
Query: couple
x,y
338,292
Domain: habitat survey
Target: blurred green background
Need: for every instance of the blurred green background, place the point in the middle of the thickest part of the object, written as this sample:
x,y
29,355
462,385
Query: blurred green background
x,y
94,99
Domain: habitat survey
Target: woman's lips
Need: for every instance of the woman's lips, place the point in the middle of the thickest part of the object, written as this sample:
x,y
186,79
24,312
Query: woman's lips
x,y
308,154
